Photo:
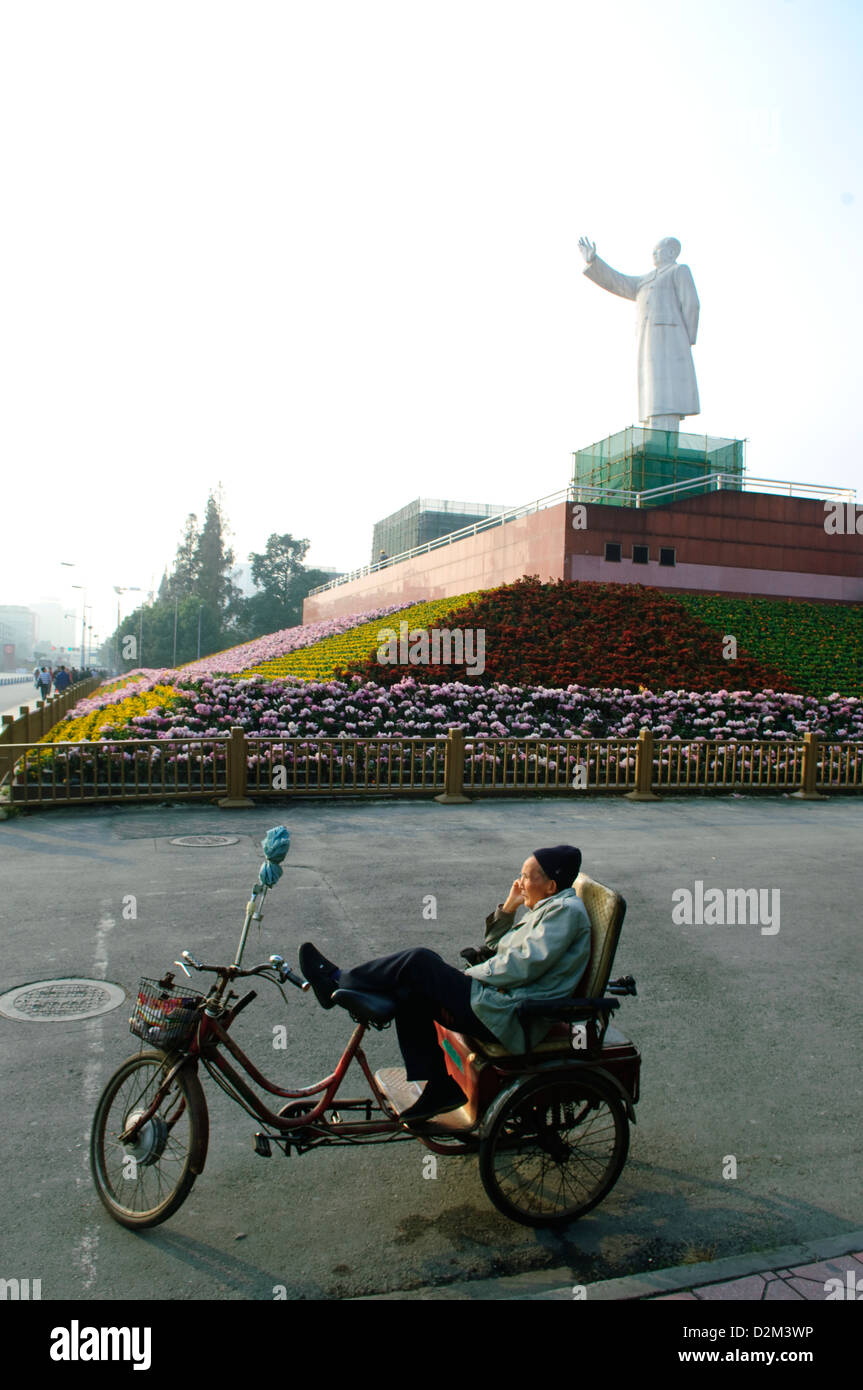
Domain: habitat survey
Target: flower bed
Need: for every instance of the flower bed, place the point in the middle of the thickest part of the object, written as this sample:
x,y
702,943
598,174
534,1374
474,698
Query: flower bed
x,y
114,710
211,705
266,650
590,634
320,661
818,645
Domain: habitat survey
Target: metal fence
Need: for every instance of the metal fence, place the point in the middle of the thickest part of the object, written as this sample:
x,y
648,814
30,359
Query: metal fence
x,y
62,774
232,769
33,724
330,766
756,764
549,765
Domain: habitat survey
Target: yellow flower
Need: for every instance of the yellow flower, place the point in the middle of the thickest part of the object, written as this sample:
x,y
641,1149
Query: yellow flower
x,y
87,726
318,662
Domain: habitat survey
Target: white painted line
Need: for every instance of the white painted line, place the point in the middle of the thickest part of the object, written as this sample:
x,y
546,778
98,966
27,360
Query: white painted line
x,y
86,1251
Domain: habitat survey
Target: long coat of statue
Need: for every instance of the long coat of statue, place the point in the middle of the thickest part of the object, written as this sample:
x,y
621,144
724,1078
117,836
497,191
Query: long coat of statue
x,y
667,307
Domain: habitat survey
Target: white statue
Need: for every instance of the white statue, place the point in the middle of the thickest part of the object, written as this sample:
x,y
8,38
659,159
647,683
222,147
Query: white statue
x,y
667,324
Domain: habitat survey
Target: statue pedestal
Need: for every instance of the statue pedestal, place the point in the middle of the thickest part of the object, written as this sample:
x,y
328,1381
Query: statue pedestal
x,y
639,460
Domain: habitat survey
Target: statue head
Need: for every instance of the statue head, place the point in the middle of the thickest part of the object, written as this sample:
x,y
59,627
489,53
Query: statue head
x,y
666,251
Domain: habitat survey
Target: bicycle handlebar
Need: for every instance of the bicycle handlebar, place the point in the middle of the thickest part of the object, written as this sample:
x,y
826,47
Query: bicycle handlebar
x,y
275,964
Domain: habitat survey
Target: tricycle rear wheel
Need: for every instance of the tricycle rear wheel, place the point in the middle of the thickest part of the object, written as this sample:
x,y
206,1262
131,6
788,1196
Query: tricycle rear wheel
x,y
556,1148
144,1182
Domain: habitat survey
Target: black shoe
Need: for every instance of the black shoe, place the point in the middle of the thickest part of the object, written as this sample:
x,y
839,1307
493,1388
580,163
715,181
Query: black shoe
x,y
319,973
437,1098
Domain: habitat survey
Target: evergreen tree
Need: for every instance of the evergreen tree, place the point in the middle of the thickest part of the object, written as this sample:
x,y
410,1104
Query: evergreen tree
x,y
183,577
214,560
198,598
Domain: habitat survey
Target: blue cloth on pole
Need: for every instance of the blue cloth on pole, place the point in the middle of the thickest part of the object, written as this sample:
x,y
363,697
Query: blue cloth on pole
x,y
275,845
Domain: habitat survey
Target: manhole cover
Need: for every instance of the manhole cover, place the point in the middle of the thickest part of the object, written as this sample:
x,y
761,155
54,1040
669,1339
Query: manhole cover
x,y
58,1001
204,841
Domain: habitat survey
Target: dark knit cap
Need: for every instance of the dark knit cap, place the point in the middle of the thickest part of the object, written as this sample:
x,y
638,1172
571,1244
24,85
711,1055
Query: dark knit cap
x,y
561,862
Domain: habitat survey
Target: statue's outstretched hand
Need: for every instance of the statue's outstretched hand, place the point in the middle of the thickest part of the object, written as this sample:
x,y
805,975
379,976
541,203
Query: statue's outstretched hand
x,y
587,248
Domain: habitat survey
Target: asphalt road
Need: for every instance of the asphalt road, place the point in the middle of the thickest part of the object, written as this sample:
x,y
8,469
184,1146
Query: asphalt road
x,y
750,1040
13,696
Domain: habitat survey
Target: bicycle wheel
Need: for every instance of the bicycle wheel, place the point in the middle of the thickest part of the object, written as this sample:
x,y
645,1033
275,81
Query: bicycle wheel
x,y
145,1181
556,1148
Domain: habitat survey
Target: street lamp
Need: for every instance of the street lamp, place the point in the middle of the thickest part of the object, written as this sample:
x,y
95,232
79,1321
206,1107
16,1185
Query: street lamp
x,y
72,565
84,606
118,590
141,627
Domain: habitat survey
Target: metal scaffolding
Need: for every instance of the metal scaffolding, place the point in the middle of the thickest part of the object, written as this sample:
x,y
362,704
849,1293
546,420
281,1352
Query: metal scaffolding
x,y
637,460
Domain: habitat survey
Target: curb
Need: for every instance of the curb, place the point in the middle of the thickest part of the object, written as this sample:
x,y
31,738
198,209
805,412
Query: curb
x,y
557,1284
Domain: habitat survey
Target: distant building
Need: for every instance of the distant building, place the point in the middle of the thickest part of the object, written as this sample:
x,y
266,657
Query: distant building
x,y
53,628
18,630
425,520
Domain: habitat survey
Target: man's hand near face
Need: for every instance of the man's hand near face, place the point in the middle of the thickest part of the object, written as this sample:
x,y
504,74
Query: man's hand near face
x,y
515,899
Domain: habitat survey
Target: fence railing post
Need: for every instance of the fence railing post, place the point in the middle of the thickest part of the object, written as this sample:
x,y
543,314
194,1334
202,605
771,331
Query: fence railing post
x,y
235,753
7,735
643,769
807,790
34,723
453,793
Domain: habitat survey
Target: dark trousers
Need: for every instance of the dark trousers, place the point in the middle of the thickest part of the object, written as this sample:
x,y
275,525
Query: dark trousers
x,y
425,989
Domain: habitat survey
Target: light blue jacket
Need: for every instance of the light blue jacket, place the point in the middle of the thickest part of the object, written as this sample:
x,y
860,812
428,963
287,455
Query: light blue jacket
x,y
544,957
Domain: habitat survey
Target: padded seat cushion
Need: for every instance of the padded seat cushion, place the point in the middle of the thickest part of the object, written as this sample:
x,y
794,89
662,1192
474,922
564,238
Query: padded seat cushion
x,y
604,908
558,1040
378,1008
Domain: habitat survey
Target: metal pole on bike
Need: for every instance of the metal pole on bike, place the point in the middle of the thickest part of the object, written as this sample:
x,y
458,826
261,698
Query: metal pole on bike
x,y
275,845
253,914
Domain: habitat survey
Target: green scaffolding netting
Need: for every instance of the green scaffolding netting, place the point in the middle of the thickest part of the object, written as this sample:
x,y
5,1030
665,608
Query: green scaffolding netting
x,y
637,460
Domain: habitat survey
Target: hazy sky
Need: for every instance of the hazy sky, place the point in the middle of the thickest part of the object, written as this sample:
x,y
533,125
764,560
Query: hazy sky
x,y
327,255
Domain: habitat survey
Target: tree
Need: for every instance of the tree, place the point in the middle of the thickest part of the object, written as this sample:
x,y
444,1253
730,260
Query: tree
x,y
283,581
184,576
214,560
198,595
276,569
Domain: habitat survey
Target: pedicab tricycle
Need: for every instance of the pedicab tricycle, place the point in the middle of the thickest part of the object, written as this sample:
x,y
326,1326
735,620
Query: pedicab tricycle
x,y
550,1127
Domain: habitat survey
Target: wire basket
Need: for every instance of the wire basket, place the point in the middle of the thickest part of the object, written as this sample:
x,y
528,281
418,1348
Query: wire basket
x,y
162,1016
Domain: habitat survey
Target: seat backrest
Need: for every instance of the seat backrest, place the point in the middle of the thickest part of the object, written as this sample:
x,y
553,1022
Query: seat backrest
x,y
606,910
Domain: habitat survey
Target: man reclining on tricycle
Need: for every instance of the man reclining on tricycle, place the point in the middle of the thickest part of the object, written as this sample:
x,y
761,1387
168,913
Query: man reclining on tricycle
x,y
543,957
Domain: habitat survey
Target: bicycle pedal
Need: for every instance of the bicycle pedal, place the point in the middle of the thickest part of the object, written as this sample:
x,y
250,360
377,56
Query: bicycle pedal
x,y
262,1146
